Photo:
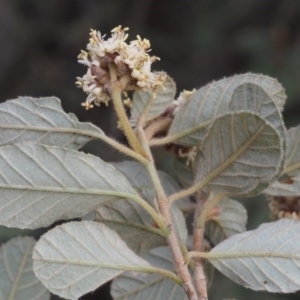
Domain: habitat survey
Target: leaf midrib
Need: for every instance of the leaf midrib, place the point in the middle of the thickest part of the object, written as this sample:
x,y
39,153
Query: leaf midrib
x,y
55,129
236,255
231,159
68,190
14,288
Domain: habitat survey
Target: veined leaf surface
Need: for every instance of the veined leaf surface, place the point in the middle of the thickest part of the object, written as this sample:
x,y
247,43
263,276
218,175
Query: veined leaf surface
x,y
137,174
154,287
163,97
292,161
132,223
216,99
18,281
285,189
43,121
232,220
41,184
267,258
243,154
183,171
77,257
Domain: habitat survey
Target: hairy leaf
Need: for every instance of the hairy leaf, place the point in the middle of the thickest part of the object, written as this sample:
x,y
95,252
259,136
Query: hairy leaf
x,y
267,258
184,172
77,257
137,174
285,189
163,97
132,223
195,115
292,162
243,154
42,120
232,220
154,287
139,178
18,281
251,97
40,185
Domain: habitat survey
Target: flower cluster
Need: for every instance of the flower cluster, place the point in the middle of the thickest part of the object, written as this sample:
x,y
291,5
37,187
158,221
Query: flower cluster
x,y
131,61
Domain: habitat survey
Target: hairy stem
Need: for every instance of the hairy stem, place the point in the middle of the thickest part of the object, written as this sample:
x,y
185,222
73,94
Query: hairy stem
x,y
202,212
172,138
208,205
119,108
157,126
198,241
165,210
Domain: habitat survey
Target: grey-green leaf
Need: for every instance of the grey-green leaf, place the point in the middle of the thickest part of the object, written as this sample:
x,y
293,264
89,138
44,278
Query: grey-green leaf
x,y
164,97
232,220
218,98
183,171
243,154
267,258
41,184
77,257
251,97
285,189
132,223
18,281
139,178
154,287
43,121
292,162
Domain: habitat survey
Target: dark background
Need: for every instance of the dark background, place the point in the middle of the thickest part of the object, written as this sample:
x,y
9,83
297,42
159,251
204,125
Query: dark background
x,y
197,41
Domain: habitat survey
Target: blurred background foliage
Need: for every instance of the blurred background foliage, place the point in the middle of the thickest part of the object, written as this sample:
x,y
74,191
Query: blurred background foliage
x,y
197,41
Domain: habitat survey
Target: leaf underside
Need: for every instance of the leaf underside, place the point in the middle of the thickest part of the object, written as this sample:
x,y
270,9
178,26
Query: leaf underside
x,y
77,257
285,189
18,281
216,99
40,185
132,223
267,258
232,220
292,161
154,287
243,147
164,97
43,121
138,176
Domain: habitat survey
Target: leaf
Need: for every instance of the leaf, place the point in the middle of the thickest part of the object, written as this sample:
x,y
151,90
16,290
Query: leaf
x,y
18,281
40,185
218,98
139,178
267,258
132,223
164,97
243,154
154,287
184,172
232,220
42,120
292,161
78,257
251,97
285,189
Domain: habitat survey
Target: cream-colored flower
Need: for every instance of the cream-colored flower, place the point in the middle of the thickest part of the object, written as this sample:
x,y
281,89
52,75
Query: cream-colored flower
x,y
182,98
130,59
